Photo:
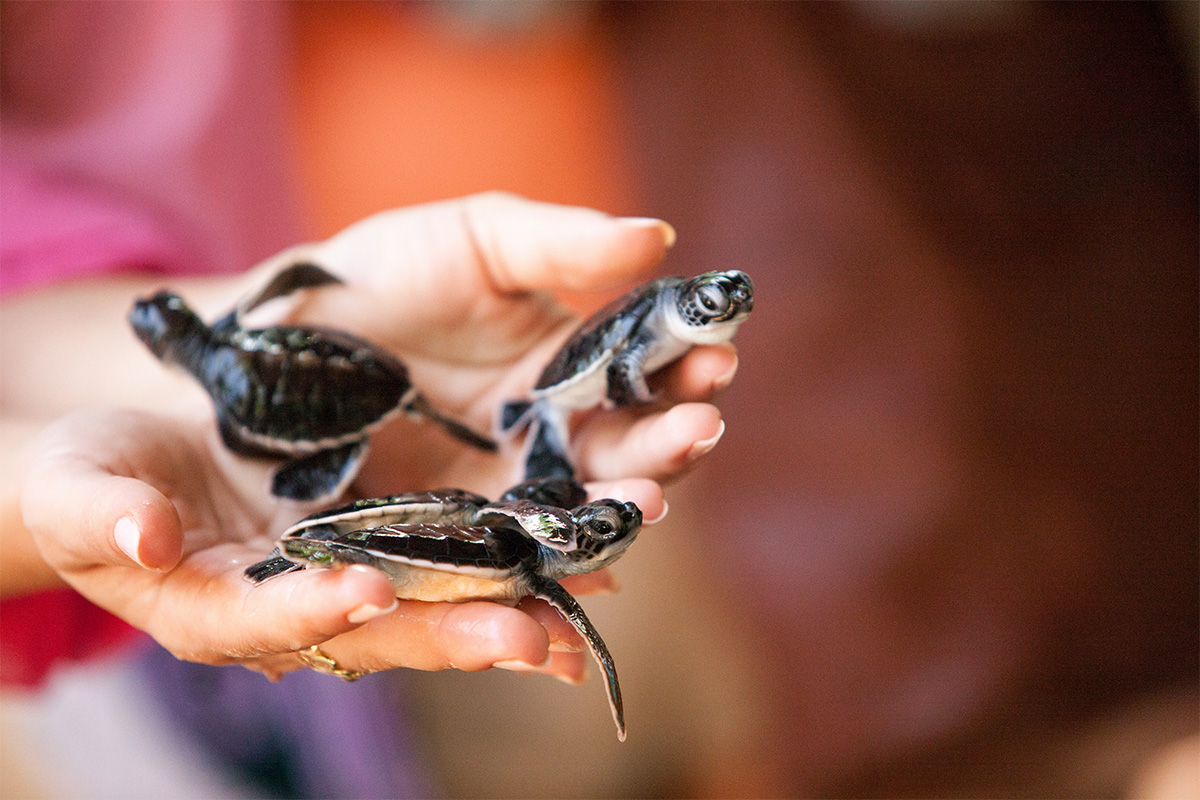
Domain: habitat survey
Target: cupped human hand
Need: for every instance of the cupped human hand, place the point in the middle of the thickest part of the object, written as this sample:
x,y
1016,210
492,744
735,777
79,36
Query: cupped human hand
x,y
150,517
462,291
146,516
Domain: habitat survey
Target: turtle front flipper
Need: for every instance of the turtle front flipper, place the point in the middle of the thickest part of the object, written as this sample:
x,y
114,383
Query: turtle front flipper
x,y
554,594
269,567
303,275
320,476
275,564
627,373
558,492
421,407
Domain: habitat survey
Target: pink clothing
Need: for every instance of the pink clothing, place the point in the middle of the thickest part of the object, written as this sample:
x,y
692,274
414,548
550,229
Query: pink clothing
x,y
56,229
136,137
53,230
181,131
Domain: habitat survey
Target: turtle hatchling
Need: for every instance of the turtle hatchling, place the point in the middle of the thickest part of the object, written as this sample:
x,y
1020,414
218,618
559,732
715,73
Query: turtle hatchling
x,y
607,361
453,546
308,395
452,506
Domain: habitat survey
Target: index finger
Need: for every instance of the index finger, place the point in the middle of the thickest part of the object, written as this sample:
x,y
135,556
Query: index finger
x,y
526,245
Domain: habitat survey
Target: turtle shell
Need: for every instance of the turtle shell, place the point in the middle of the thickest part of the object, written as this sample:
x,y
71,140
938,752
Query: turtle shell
x,y
434,563
437,505
466,538
592,345
296,390
289,391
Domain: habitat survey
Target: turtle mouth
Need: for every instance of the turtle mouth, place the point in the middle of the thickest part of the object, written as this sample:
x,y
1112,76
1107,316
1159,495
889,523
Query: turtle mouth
x,y
148,324
743,302
740,291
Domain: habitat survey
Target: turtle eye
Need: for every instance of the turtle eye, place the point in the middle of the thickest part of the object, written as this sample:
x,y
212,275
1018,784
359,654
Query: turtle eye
x,y
714,299
604,524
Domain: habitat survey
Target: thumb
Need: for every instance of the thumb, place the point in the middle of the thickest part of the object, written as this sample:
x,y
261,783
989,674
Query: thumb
x,y
83,515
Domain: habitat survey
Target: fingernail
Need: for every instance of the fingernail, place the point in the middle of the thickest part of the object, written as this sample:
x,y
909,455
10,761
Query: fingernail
x,y
700,448
723,381
516,665
369,611
668,233
663,514
128,536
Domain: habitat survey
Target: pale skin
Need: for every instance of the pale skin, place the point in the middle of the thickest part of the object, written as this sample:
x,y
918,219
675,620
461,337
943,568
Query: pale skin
x,y
145,513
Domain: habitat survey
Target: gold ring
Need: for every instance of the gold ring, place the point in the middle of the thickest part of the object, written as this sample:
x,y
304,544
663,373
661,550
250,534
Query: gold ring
x,y
318,660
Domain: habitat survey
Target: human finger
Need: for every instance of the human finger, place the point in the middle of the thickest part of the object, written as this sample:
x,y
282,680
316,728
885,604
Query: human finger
x,y
563,636
646,494
699,375
660,446
599,582
570,668
84,516
469,637
208,612
527,245
434,636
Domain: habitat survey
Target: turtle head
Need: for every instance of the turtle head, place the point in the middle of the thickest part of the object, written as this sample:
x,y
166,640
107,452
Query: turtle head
x,y
713,304
604,529
163,322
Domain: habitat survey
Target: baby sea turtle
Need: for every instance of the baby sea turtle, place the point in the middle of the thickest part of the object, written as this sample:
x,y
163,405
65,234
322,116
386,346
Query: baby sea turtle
x,y
451,506
309,395
609,358
448,546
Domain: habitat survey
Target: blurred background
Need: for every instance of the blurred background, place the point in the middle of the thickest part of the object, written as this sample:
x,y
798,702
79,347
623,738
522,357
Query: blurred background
x,y
948,545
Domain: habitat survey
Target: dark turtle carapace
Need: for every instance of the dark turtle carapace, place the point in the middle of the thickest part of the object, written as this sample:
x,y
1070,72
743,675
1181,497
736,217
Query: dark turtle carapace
x,y
607,361
453,546
309,395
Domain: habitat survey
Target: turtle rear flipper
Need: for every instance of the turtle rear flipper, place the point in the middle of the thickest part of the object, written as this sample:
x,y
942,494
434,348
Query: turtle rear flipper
x,y
548,457
320,476
326,554
568,606
421,407
515,415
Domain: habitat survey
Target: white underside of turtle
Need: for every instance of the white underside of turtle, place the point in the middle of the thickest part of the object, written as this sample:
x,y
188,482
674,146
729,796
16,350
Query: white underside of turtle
x,y
440,583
